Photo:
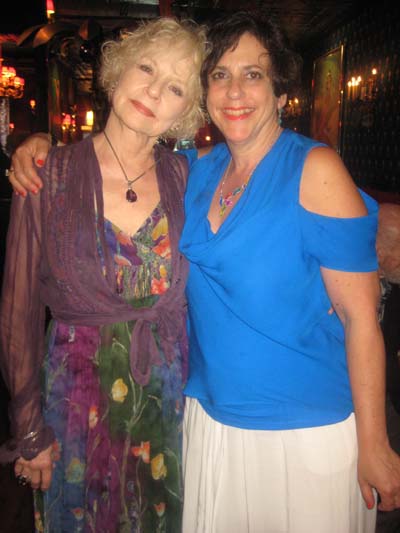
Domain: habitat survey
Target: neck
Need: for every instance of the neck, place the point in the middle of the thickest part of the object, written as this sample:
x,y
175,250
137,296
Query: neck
x,y
130,146
246,156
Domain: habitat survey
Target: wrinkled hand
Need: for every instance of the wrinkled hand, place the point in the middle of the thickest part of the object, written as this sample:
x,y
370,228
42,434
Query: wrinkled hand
x,y
23,175
379,468
38,471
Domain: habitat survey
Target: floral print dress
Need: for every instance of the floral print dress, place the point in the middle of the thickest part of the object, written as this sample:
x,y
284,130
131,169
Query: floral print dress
x,y
117,453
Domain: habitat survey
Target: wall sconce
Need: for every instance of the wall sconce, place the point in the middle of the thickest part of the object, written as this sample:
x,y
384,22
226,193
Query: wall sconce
x,y
11,86
89,121
354,88
50,12
68,123
293,108
366,90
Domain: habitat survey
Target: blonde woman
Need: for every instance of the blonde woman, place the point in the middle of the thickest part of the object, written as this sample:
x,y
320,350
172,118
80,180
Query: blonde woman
x,y
99,248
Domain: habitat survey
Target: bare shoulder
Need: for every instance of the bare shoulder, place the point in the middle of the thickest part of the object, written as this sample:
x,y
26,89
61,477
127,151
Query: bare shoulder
x,y
327,188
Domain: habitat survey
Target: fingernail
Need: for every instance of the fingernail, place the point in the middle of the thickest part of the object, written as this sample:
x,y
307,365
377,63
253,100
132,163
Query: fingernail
x,y
35,191
40,162
16,193
370,505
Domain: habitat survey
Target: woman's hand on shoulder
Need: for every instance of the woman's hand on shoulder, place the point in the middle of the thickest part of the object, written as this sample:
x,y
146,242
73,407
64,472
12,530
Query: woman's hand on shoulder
x,y
23,176
37,471
379,468
327,188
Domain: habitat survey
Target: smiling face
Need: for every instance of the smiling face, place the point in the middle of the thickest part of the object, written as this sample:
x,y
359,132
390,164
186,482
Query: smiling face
x,y
153,93
240,97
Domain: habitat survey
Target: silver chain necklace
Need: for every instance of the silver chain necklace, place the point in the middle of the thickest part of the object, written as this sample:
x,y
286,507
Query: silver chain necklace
x,y
131,195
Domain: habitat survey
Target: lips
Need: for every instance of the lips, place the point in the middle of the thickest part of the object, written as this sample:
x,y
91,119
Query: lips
x,y
237,113
142,109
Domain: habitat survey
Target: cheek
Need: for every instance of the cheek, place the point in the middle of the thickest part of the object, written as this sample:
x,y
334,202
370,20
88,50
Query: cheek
x,y
175,109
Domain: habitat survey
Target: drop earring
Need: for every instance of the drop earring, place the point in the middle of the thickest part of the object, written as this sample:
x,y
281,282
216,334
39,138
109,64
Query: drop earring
x,y
280,112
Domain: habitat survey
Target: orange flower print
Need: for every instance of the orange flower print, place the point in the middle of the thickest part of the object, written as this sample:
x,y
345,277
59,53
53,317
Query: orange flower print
x,y
160,508
142,451
93,416
159,286
123,238
158,468
163,248
78,513
119,390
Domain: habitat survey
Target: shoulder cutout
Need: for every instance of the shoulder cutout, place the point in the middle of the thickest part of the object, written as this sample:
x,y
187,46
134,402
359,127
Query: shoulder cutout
x,y
326,187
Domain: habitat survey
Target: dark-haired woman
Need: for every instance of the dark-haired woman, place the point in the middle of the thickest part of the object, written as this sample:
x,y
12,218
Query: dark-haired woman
x,y
284,416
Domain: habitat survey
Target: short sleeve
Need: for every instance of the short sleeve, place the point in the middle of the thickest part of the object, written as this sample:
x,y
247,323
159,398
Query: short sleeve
x,y
190,154
346,244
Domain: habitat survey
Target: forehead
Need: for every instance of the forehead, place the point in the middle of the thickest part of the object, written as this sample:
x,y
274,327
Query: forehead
x,y
248,51
174,59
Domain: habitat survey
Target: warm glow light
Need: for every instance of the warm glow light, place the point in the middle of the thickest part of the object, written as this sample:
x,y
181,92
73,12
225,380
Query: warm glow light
x,y
207,138
50,7
50,10
374,71
32,103
89,118
11,85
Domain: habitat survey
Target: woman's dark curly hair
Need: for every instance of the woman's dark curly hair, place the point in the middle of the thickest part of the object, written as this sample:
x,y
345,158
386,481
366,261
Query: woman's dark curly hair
x,y
224,34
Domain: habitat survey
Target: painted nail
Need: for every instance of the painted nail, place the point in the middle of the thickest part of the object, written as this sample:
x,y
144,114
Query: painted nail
x,y
370,505
35,191
40,162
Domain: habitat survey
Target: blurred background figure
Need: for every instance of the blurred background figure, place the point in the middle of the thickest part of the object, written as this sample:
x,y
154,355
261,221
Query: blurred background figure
x,y
388,249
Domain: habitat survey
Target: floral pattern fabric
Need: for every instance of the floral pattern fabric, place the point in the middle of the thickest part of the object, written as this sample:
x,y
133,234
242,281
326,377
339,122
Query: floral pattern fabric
x,y
117,453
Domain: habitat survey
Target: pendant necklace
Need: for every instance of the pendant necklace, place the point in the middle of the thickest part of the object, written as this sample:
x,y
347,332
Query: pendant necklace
x,y
228,200
131,195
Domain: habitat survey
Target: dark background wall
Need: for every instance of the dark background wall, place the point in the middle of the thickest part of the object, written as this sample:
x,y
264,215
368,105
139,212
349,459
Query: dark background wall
x,y
370,135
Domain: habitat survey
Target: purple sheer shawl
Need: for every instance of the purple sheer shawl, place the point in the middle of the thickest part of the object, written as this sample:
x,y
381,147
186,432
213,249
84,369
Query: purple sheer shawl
x,y
52,260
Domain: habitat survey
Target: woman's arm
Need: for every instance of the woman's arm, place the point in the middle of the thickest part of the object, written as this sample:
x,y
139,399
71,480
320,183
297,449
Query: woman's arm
x,y
23,176
327,189
22,323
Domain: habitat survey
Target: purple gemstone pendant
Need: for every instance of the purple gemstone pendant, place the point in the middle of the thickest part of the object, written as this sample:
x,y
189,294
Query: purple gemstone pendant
x,y
131,196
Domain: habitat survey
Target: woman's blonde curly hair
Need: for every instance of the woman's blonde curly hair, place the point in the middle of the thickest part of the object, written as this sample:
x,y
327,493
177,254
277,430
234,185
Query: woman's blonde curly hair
x,y
160,34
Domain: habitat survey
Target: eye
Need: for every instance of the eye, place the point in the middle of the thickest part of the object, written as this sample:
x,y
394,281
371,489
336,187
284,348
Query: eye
x,y
145,68
218,75
176,90
254,75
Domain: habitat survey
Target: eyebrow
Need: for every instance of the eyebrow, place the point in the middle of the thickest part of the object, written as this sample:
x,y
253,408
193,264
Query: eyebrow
x,y
246,67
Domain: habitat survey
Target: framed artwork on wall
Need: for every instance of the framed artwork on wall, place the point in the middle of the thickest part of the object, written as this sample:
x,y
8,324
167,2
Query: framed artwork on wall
x,y
327,98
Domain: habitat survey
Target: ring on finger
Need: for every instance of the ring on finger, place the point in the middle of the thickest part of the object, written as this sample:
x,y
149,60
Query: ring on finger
x,y
8,171
23,480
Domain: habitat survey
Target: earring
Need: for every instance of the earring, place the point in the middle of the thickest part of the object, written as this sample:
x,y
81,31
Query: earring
x,y
280,113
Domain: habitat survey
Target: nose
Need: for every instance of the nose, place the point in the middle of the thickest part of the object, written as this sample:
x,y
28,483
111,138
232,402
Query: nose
x,y
235,89
154,89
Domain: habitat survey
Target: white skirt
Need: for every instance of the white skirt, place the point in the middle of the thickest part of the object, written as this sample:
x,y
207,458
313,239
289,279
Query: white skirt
x,y
254,481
